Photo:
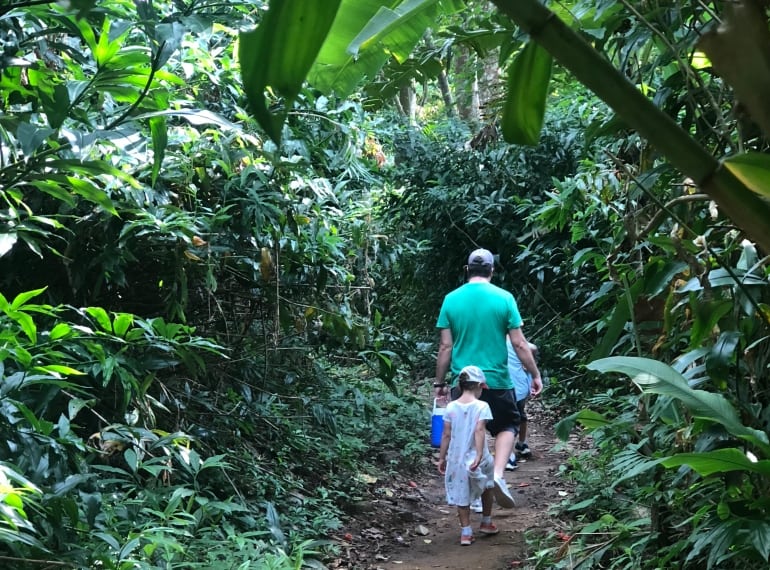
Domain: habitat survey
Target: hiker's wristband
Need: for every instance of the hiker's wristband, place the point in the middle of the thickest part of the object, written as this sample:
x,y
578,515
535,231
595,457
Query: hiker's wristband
x,y
439,384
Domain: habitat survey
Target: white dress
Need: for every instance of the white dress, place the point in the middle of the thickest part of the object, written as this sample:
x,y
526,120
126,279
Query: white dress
x,y
462,484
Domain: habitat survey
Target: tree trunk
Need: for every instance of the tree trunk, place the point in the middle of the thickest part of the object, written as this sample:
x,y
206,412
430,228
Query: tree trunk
x,y
446,94
407,96
466,86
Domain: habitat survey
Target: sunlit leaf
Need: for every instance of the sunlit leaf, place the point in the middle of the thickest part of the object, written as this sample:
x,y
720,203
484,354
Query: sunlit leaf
x,y
92,193
753,169
366,33
21,299
59,331
718,461
101,317
121,323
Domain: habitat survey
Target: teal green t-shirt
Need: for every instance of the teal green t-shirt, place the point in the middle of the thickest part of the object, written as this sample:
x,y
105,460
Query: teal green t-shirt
x,y
479,315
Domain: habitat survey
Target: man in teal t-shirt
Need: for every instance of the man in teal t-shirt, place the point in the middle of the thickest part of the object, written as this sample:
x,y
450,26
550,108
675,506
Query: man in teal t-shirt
x,y
474,321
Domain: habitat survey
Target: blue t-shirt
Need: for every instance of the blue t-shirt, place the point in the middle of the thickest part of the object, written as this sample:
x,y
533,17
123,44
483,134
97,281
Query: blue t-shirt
x,y
479,315
522,380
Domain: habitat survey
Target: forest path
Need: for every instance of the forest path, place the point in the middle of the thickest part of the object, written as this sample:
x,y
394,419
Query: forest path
x,y
412,528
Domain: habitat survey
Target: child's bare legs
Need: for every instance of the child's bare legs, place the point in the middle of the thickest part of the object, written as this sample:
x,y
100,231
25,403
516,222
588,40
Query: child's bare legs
x,y
523,431
464,514
487,500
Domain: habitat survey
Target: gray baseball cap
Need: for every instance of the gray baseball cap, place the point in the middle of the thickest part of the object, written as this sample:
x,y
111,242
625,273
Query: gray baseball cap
x,y
481,257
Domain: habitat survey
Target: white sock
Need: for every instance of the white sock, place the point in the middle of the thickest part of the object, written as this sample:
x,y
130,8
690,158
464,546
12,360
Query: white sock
x,y
467,530
486,520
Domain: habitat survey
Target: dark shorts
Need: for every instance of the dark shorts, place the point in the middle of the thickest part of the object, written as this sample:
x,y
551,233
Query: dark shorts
x,y
505,411
521,405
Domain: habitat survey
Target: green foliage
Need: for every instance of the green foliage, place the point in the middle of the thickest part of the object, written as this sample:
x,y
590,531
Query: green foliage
x,y
147,223
524,108
302,26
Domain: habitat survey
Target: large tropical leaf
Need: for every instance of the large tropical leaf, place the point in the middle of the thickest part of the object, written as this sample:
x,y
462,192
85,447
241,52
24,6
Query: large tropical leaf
x,y
277,55
366,33
524,109
718,461
658,378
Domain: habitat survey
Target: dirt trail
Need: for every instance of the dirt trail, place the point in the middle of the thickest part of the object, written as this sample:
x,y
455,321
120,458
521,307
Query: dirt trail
x,y
414,529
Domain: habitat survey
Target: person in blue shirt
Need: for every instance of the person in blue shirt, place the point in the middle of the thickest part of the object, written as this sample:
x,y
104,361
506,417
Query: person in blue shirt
x,y
522,385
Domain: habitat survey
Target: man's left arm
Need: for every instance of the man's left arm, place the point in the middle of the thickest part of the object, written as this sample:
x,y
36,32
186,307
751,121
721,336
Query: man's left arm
x,y
527,358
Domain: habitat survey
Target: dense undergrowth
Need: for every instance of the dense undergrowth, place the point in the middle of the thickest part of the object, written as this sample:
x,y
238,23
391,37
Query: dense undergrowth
x,y
191,478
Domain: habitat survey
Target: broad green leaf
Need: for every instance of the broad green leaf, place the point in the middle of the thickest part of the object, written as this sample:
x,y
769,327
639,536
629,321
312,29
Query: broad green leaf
x,y
718,461
707,315
720,358
59,331
658,378
26,323
335,69
759,535
107,46
121,323
131,459
529,76
722,278
397,30
159,134
54,189
659,275
277,55
753,169
93,168
620,316
59,369
21,299
170,37
366,33
90,192
101,317
87,33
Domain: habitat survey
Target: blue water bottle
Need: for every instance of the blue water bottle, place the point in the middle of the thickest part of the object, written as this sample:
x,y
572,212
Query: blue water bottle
x,y
436,424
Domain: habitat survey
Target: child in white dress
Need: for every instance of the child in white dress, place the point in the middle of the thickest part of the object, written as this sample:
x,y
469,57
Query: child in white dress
x,y
464,457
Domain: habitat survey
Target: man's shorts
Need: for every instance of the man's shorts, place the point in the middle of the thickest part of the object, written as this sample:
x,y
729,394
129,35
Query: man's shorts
x,y
505,412
521,404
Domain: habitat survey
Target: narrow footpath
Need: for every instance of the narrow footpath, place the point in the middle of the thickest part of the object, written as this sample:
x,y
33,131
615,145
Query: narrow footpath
x,y
412,528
